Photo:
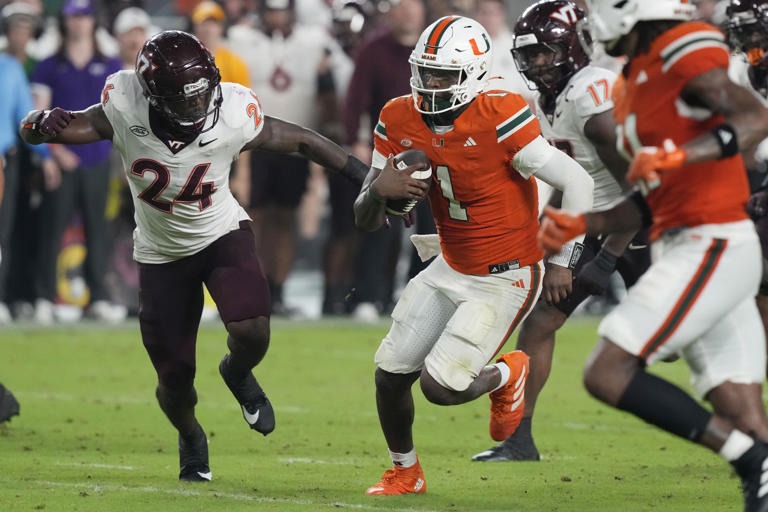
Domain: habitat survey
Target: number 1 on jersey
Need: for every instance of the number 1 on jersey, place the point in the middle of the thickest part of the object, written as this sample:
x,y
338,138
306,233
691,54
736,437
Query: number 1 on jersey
x,y
596,96
455,210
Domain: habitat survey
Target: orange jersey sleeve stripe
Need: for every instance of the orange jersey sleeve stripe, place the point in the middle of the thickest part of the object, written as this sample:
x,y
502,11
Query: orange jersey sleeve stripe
x,y
514,123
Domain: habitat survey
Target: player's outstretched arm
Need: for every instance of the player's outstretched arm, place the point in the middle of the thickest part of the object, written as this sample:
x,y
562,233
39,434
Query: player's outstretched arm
x,y
65,127
746,118
559,226
369,207
281,136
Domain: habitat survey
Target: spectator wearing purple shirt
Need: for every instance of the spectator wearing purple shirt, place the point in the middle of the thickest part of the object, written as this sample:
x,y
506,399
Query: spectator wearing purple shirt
x,y
381,73
73,79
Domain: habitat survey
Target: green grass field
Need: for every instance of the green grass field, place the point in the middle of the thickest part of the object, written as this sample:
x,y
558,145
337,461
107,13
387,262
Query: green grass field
x,y
92,438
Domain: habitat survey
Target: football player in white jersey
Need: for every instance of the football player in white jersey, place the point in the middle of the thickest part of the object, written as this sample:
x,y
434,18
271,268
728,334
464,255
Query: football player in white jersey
x,y
575,112
748,35
178,129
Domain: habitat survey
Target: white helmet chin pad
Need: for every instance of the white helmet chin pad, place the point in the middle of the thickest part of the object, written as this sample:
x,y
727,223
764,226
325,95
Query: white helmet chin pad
x,y
450,64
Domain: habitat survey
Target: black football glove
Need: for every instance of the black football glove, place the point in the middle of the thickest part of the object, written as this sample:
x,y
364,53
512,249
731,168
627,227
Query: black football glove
x,y
595,275
757,206
54,121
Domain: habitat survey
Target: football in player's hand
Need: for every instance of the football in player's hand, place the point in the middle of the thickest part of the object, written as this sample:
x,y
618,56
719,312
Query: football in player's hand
x,y
401,161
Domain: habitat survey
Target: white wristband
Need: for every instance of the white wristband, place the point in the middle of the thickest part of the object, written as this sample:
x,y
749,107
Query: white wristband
x,y
569,255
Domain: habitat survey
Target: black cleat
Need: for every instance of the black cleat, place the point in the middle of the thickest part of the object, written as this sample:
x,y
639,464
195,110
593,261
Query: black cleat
x,y
193,458
752,467
9,407
517,447
257,410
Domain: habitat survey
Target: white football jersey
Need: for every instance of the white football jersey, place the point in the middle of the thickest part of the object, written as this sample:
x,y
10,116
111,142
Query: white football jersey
x,y
586,94
738,71
182,201
283,70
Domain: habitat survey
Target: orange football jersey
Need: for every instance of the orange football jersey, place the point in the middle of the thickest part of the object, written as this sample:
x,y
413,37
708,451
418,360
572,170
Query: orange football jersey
x,y
648,110
485,211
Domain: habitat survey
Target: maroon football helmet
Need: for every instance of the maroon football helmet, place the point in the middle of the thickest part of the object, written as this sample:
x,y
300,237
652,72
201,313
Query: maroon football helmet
x,y
180,78
547,49
748,29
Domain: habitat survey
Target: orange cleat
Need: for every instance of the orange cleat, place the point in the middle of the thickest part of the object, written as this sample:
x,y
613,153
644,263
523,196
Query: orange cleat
x,y
400,481
508,401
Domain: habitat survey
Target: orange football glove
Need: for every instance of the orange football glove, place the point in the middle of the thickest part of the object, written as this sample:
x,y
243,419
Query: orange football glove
x,y
558,227
645,167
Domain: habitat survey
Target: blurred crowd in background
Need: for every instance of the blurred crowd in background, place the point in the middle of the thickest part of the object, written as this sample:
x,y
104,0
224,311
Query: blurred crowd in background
x,y
66,219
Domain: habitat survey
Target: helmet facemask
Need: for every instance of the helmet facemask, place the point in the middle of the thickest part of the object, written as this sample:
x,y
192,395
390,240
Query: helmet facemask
x,y
190,110
438,89
749,34
544,65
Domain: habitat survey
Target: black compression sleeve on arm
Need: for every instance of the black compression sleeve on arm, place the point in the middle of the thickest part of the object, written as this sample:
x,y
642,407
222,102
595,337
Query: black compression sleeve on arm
x,y
354,170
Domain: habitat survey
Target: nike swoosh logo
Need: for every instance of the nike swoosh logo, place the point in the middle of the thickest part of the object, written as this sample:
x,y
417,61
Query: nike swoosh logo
x,y
250,418
633,247
207,142
558,114
207,475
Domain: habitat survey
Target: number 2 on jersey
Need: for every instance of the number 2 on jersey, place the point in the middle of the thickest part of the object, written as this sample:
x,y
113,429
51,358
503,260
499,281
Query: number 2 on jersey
x,y
194,190
455,210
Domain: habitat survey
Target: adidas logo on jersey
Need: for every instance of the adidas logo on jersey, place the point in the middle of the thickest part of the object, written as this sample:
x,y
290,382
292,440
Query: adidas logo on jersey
x,y
642,77
470,142
519,284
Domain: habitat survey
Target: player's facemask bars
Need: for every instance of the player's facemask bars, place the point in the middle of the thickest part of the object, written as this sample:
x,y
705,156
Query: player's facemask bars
x,y
439,89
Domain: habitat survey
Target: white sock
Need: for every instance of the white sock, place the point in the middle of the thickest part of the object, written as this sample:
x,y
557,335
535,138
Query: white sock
x,y
404,460
504,371
735,446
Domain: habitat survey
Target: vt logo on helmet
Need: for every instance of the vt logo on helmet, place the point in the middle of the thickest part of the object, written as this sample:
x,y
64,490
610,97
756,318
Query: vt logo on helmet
x,y
449,65
180,80
547,47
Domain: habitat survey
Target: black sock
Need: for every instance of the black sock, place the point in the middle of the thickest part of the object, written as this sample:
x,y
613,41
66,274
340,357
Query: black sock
x,y
524,429
662,404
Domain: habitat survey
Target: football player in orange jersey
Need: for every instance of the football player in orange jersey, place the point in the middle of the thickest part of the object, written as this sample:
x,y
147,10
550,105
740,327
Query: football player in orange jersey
x,y
484,146
575,112
748,36
682,123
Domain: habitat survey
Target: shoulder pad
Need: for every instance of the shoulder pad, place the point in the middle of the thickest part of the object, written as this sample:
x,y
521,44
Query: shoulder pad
x,y
240,105
693,48
396,107
122,89
498,105
590,91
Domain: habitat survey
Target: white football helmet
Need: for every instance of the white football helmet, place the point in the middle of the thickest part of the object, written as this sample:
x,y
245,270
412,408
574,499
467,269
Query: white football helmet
x,y
450,64
609,20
